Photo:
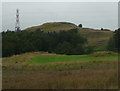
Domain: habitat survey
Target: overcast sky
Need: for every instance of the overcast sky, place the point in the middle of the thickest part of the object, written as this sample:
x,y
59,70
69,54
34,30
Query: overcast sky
x,y
90,14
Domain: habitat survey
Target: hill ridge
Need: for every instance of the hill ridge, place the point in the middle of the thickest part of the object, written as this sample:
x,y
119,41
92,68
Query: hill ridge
x,y
97,38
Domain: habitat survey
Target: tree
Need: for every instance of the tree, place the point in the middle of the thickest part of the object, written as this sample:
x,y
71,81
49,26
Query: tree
x,y
102,29
80,25
64,48
88,50
64,42
114,42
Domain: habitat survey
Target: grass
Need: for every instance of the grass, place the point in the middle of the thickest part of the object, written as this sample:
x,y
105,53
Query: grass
x,y
54,26
105,77
41,70
97,38
101,47
68,58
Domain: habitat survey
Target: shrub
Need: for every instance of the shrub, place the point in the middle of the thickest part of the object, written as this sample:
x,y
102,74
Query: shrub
x,y
80,25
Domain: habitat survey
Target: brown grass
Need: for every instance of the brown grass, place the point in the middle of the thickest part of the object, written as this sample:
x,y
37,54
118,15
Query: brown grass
x,y
93,78
22,58
97,77
23,76
96,37
103,53
53,26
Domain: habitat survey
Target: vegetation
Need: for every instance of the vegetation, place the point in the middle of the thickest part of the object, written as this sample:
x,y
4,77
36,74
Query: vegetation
x,y
37,40
67,58
63,42
95,37
53,26
50,71
114,42
49,57
102,29
80,25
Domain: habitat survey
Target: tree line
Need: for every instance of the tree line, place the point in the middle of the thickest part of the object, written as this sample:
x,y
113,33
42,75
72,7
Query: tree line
x,y
114,41
63,42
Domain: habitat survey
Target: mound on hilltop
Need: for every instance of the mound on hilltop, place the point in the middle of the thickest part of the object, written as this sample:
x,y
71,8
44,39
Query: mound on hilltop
x,y
53,26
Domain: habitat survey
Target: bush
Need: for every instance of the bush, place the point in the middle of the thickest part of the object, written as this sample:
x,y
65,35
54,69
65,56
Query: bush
x,y
89,49
64,48
102,29
80,25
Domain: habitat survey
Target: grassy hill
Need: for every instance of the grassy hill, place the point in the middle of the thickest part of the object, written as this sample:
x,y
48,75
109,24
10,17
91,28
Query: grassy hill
x,y
96,38
53,26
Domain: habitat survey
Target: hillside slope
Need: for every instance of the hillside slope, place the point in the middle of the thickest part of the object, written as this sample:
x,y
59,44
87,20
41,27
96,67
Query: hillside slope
x,y
96,38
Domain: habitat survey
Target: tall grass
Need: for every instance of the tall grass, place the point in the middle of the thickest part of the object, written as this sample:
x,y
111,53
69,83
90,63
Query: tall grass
x,y
86,73
93,78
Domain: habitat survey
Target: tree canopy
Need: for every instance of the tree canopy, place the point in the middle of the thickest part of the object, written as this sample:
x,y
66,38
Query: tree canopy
x,y
114,42
62,42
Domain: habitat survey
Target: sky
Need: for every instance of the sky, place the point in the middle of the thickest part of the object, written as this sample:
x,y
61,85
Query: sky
x,y
91,14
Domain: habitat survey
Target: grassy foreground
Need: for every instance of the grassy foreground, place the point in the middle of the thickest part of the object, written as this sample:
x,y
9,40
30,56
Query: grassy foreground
x,y
51,71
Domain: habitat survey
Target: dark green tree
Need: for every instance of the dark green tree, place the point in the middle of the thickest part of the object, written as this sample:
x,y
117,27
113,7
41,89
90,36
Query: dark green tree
x,y
64,42
64,48
80,25
114,42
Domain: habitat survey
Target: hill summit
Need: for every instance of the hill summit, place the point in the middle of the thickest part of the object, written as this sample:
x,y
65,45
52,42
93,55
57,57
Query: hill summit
x,y
54,26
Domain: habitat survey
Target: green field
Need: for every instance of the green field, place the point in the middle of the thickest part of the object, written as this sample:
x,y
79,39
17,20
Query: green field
x,y
68,58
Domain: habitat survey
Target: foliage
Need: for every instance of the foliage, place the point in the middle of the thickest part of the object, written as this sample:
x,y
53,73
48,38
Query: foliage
x,y
102,29
65,75
114,44
80,25
63,42
41,70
